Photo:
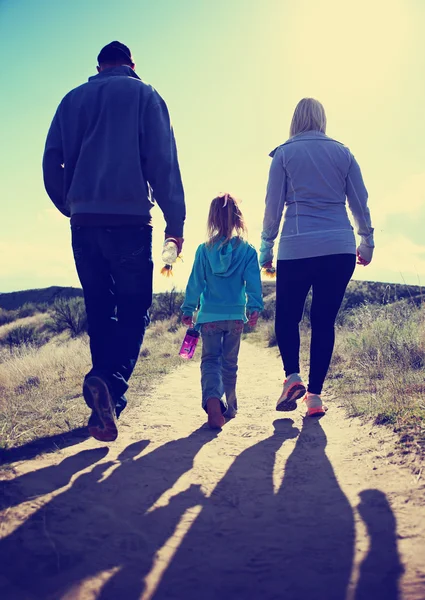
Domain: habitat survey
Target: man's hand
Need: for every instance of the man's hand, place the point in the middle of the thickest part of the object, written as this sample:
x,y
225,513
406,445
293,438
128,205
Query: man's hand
x,y
187,320
253,318
179,241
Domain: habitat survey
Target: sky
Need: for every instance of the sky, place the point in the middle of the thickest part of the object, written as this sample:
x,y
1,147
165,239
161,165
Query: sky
x,y
231,72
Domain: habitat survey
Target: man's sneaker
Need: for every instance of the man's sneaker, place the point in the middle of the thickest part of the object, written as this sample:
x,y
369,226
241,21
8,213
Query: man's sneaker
x,y
216,419
293,390
315,406
94,420
102,423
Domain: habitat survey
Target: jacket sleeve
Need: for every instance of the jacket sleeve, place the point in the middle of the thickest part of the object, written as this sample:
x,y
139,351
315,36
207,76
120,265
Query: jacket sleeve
x,y
252,279
160,164
275,201
195,285
357,201
53,166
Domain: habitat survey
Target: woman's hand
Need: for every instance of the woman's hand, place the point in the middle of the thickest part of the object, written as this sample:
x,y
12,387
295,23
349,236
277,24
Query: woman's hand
x,y
361,260
187,320
253,318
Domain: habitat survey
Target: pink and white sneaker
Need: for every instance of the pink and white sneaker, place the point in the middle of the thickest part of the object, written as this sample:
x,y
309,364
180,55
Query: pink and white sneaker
x,y
315,406
293,390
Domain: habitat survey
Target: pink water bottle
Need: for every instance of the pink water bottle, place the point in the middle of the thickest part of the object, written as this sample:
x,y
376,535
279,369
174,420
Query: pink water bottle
x,y
189,343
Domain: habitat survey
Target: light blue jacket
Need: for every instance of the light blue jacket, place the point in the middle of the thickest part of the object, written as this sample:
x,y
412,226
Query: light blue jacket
x,y
311,177
109,146
225,281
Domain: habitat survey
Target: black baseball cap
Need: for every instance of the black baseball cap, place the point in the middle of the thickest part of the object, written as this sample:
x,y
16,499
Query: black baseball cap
x,y
115,52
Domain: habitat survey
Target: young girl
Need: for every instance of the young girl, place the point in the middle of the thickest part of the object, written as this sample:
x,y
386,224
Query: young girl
x,y
225,283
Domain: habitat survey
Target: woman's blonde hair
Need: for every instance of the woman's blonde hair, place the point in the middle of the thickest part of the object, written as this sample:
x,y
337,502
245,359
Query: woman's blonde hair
x,y
309,115
224,219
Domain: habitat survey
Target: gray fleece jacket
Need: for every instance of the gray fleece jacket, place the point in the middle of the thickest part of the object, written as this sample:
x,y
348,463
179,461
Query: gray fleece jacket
x,y
111,150
311,177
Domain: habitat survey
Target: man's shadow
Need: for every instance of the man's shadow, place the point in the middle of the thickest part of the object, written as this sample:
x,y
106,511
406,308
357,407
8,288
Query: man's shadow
x,y
251,541
48,443
381,569
100,523
46,480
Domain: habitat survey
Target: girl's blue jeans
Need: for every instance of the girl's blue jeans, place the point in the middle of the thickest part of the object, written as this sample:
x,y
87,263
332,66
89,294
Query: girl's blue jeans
x,y
219,363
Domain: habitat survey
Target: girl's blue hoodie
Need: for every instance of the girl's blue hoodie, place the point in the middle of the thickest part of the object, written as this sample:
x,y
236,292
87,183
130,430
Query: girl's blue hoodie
x,y
225,282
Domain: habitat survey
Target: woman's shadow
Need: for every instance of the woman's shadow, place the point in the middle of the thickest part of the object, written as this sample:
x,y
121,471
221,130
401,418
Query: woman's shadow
x,y
253,542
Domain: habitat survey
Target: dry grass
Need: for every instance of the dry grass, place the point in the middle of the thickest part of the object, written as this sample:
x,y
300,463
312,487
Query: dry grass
x,y
40,388
378,368
38,322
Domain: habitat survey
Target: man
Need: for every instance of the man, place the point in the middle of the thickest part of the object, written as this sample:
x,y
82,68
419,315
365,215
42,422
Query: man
x,y
110,152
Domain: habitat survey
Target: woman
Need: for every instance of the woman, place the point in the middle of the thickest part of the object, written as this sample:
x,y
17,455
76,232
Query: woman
x,y
312,175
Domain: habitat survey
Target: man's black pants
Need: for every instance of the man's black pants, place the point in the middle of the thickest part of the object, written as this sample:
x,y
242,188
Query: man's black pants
x,y
115,268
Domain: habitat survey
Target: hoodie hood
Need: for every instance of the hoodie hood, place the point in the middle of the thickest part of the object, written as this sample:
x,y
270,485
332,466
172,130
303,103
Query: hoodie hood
x,y
224,283
225,259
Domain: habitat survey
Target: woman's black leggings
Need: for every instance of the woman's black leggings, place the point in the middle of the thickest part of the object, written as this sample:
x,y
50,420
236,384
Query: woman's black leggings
x,y
329,277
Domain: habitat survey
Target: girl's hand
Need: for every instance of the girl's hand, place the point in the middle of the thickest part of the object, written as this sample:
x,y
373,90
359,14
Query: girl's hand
x,y
253,318
187,320
267,265
268,270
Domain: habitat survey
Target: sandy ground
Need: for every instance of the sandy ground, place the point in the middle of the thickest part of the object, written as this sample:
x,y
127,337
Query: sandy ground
x,y
274,506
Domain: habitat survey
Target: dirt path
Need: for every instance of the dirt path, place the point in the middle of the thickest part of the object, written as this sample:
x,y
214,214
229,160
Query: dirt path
x,y
272,507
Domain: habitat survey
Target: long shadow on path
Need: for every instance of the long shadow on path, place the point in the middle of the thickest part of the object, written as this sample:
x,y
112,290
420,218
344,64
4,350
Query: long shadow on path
x,y
47,479
381,569
250,542
100,523
49,443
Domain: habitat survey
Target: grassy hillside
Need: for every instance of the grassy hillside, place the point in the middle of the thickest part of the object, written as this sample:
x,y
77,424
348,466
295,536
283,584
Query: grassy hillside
x,y
358,293
377,370
44,353
15,300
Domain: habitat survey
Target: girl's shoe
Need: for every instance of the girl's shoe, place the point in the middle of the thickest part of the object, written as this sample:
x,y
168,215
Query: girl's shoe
x,y
216,419
315,406
230,413
293,390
